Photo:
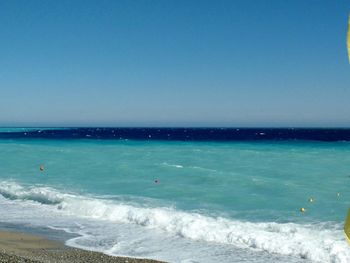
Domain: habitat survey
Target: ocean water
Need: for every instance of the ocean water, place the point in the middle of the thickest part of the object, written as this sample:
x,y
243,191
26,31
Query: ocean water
x,y
182,195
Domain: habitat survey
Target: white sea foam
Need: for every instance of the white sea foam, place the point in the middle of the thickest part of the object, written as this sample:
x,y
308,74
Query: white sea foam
x,y
314,242
44,195
173,165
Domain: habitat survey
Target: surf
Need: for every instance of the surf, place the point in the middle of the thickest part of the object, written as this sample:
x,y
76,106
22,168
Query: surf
x,y
316,242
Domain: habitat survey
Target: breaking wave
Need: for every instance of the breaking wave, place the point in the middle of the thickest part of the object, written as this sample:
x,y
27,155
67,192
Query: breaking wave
x,y
315,242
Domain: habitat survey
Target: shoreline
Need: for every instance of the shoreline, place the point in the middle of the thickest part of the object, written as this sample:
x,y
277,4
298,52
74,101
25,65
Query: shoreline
x,y
29,248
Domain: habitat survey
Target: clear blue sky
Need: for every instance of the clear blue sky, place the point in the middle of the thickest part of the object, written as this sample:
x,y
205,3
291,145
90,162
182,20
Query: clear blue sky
x,y
174,63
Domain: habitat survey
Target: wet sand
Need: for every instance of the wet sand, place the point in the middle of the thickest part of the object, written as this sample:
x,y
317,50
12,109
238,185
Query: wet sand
x,y
21,247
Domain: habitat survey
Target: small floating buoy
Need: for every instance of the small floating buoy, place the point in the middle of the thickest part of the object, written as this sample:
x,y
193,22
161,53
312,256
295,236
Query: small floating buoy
x,y
311,199
156,181
302,209
338,194
41,168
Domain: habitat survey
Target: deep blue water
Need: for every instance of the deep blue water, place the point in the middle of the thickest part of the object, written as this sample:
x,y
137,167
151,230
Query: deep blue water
x,y
182,134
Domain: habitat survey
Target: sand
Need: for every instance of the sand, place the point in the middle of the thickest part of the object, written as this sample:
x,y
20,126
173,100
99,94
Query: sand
x,y
21,247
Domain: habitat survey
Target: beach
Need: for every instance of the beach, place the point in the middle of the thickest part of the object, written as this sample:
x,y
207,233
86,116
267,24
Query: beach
x,y
22,247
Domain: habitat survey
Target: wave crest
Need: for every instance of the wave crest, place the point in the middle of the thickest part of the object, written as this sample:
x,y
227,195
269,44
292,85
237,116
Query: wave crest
x,y
314,242
43,195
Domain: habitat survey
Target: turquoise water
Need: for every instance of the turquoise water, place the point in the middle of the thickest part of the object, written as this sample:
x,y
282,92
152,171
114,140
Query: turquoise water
x,y
239,198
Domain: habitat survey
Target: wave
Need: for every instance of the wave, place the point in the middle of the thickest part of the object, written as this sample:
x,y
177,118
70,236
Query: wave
x,y
173,165
190,167
43,195
315,242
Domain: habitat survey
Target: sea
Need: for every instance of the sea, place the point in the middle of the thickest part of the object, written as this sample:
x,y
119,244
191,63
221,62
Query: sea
x,y
182,195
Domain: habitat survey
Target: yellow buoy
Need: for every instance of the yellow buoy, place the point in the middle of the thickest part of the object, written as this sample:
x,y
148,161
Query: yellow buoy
x,y
347,227
302,209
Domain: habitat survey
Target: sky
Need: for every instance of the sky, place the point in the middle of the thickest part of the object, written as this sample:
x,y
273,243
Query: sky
x,y
234,63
